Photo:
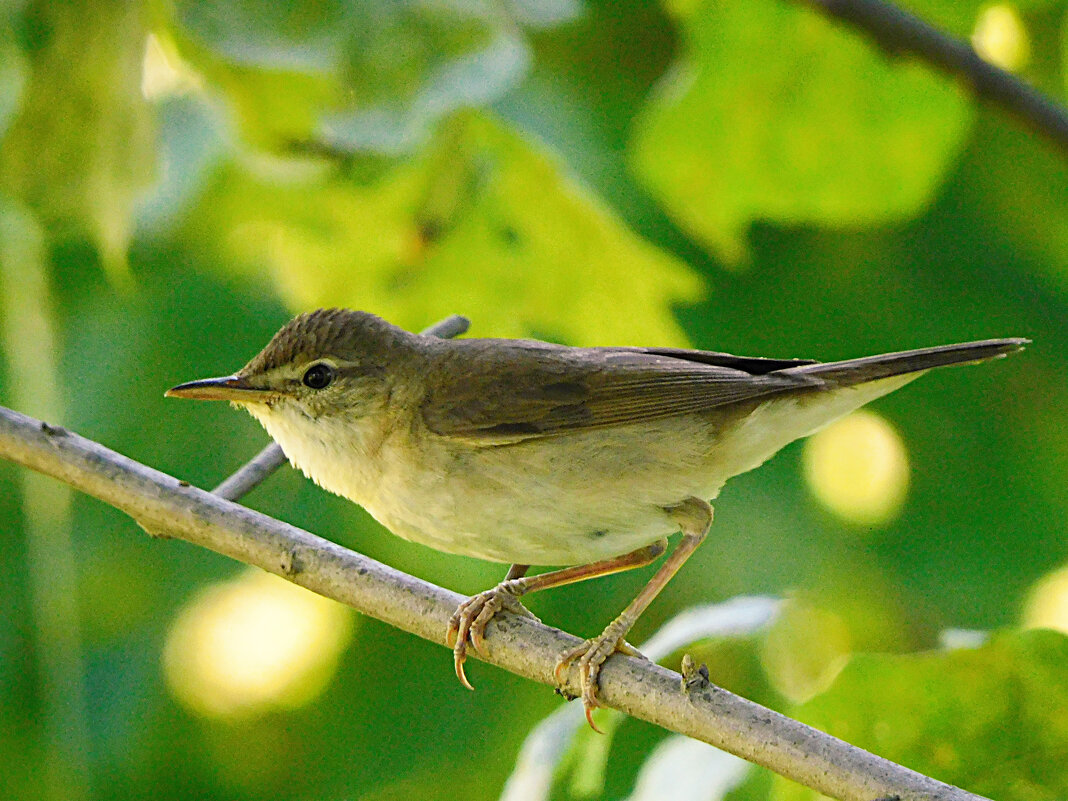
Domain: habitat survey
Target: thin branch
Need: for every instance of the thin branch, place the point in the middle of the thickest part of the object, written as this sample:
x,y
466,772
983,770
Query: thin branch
x,y
258,469
451,326
897,31
252,473
518,644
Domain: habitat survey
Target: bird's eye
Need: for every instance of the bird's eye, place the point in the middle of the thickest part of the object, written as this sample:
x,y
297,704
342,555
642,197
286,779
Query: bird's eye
x,y
318,376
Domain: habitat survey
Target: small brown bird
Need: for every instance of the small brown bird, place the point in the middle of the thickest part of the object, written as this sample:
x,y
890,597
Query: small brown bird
x,y
531,453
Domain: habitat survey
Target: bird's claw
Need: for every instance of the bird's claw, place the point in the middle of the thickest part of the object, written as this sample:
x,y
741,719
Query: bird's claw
x,y
468,624
590,655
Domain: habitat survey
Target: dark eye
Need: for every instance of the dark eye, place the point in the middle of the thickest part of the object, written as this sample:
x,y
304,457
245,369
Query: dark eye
x,y
318,376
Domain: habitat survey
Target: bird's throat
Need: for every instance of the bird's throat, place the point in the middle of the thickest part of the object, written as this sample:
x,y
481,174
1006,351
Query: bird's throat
x,y
339,453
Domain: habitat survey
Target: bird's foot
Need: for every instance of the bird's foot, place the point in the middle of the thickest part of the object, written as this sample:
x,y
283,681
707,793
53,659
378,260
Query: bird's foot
x,y
590,655
468,623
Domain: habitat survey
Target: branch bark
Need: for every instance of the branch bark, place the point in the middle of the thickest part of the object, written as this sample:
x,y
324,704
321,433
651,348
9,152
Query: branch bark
x,y
897,31
173,508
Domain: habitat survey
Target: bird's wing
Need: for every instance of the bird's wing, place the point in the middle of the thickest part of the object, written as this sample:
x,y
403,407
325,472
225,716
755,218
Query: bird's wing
x,y
501,391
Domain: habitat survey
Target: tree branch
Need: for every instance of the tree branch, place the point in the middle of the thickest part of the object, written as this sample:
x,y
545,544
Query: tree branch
x,y
521,645
897,31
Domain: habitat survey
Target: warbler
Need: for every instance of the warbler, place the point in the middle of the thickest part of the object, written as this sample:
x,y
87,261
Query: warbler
x,y
532,453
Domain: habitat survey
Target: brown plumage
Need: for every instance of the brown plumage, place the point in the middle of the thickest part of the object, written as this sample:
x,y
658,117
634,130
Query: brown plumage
x,y
503,388
507,389
324,331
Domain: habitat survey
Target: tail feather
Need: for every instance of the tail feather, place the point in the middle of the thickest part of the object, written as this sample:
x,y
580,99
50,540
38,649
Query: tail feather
x,y
887,365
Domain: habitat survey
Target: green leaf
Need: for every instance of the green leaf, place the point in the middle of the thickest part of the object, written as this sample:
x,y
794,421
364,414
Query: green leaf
x,y
773,112
80,148
402,122
543,13
993,720
1064,51
1020,186
190,144
12,82
298,36
371,76
484,223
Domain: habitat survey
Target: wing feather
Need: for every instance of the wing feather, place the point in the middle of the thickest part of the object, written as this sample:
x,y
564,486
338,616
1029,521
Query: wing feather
x,y
501,391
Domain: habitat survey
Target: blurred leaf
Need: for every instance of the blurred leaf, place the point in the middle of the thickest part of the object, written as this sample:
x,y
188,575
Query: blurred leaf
x,y
28,340
369,76
192,141
298,36
472,79
1021,185
543,751
993,720
820,129
482,224
742,616
563,747
1064,50
12,81
80,148
683,768
805,649
273,107
543,13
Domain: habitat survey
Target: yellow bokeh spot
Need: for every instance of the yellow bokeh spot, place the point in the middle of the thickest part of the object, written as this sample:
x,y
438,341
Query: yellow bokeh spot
x,y
858,468
254,643
1047,604
1001,38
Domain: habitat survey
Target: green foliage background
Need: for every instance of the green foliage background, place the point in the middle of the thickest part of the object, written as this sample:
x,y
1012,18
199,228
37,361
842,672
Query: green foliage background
x,y
736,175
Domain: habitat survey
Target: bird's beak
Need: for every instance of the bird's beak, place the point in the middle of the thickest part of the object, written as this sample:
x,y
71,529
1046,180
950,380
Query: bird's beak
x,y
226,388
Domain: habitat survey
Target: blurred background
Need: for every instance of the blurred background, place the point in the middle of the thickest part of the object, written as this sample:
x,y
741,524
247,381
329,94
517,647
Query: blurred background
x,y
178,178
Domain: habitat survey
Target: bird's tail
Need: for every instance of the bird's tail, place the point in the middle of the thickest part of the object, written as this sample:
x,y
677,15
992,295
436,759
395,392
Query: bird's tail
x,y
887,365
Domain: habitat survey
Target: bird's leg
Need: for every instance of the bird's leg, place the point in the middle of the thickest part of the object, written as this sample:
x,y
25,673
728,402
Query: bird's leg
x,y
694,517
468,623
516,571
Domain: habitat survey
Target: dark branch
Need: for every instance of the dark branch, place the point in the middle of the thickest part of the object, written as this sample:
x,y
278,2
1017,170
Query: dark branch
x,y
897,31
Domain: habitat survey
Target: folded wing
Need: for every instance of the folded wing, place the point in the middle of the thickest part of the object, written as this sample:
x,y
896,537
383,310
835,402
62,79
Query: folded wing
x,y
502,391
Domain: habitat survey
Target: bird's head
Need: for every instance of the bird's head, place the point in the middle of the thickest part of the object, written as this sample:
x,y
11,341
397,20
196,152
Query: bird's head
x,y
330,363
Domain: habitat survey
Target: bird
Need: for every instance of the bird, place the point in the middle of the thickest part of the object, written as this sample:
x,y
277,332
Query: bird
x,y
532,453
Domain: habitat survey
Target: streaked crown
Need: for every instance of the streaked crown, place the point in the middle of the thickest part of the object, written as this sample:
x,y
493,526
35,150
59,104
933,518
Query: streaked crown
x,y
342,333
